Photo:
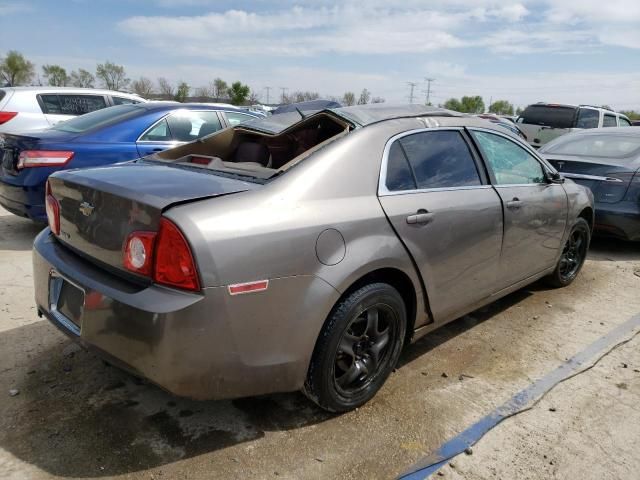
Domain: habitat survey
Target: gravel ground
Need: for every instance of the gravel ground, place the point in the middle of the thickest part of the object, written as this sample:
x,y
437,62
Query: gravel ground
x,y
64,413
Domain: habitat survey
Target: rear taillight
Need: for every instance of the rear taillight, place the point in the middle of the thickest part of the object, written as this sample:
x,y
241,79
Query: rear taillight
x,y
6,116
174,264
165,256
53,210
43,158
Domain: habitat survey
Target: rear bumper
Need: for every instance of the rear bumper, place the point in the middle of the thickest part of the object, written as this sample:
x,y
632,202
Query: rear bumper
x,y
23,201
205,346
618,219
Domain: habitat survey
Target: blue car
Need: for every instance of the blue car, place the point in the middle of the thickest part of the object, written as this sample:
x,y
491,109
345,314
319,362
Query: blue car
x,y
103,137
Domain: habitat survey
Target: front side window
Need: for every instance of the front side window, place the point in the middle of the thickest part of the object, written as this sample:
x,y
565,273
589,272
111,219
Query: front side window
x,y
588,118
511,164
71,104
234,118
158,133
624,122
436,159
609,121
187,126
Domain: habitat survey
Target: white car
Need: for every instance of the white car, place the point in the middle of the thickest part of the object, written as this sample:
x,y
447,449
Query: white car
x,y
23,109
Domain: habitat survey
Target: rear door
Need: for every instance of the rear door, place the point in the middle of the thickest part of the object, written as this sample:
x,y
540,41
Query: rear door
x,y
59,107
437,198
535,211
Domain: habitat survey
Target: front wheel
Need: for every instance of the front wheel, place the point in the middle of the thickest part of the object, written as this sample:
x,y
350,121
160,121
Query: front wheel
x,y
358,348
574,253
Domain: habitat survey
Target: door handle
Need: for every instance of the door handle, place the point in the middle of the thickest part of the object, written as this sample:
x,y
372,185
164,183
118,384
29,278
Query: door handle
x,y
421,217
514,204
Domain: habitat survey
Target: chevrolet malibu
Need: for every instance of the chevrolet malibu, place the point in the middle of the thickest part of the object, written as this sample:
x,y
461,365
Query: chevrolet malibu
x,y
303,250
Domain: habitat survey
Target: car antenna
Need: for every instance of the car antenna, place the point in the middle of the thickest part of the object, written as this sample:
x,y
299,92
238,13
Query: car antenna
x,y
301,114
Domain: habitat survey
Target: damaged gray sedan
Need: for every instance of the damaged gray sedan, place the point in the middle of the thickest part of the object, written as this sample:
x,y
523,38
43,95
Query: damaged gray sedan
x,y
302,252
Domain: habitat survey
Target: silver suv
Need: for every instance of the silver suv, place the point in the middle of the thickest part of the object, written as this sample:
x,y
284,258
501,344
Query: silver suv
x,y
542,122
23,109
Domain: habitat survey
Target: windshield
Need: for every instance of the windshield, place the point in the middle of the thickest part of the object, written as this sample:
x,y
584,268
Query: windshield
x,y
612,146
99,118
549,116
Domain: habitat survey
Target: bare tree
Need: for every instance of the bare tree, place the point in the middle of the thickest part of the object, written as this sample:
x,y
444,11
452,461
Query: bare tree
x,y
202,92
348,99
82,78
254,98
113,76
143,87
220,88
165,88
365,96
377,100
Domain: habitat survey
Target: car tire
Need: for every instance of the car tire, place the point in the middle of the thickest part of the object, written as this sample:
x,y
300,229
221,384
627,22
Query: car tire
x,y
358,347
573,255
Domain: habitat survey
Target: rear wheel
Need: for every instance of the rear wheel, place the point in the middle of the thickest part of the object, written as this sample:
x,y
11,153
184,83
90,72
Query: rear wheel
x,y
358,348
573,255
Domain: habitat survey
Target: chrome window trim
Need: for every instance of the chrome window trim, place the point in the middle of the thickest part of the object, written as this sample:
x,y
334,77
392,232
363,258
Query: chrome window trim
x,y
546,166
383,191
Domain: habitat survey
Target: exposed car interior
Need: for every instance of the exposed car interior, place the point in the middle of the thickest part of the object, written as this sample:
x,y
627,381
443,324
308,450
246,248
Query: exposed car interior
x,y
248,152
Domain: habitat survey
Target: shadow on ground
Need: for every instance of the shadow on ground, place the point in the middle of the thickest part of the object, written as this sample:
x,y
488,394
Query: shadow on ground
x,y
17,233
76,416
612,249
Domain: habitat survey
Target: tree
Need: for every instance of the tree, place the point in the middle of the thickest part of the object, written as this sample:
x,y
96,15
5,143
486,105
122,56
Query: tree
x,y
165,87
182,92
632,114
55,75
365,96
82,78
348,99
377,100
519,111
238,93
15,69
501,107
453,104
219,88
254,97
143,87
465,104
113,76
202,92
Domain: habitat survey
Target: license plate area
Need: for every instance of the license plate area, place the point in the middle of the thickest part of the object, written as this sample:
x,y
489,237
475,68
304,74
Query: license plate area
x,y
8,158
66,302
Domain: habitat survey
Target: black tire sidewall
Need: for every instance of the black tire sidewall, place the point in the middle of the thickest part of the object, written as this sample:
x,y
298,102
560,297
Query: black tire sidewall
x,y
320,386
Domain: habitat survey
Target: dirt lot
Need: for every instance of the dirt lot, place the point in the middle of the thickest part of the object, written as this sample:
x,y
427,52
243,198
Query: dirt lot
x,y
74,416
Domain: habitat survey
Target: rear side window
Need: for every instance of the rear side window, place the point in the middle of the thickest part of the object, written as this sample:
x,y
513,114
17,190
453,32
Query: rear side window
x,y
511,164
399,175
99,118
609,121
71,104
612,146
438,159
2,94
588,118
123,101
186,125
549,116
234,118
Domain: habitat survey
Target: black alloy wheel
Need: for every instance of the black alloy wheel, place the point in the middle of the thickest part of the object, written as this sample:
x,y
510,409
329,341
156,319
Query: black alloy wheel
x,y
574,253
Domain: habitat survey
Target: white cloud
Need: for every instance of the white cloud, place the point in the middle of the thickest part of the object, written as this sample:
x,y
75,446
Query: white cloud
x,y
9,8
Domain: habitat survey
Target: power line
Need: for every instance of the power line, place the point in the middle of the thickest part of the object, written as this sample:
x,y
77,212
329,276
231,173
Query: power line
x,y
268,89
284,92
412,85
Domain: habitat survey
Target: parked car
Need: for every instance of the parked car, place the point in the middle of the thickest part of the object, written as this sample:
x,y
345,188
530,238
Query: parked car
x,y
24,109
293,253
635,123
503,123
308,106
103,137
542,122
608,162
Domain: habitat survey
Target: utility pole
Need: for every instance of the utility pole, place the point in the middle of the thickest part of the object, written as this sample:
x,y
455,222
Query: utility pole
x,y
284,92
428,92
412,85
267,89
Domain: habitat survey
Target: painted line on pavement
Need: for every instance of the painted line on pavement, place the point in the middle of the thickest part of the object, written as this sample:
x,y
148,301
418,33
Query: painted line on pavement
x,y
520,401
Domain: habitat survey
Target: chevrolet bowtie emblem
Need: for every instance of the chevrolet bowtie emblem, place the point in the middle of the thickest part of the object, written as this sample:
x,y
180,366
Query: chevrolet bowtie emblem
x,y
86,208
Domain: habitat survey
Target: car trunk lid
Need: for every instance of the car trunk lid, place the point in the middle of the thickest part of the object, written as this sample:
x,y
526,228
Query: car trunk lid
x,y
100,207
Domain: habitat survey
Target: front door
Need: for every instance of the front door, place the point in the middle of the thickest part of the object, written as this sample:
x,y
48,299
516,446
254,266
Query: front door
x,y
535,210
449,219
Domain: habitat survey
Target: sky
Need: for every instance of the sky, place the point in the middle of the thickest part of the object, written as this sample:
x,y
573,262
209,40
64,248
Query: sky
x,y
566,51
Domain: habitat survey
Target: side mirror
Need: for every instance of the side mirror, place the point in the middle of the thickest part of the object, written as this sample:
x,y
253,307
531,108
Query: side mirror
x,y
555,177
